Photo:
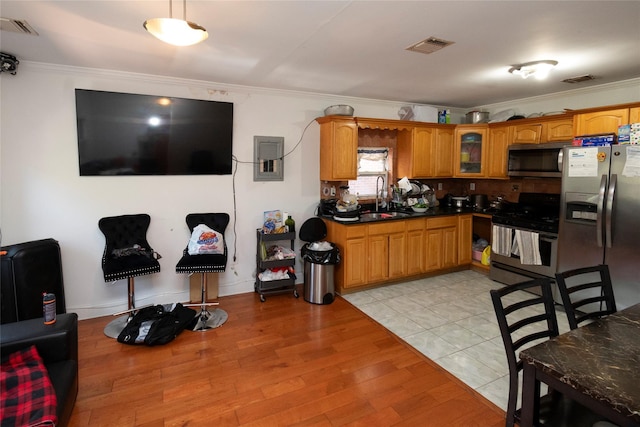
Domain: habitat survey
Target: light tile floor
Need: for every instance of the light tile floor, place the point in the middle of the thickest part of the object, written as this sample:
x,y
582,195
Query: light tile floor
x,y
450,319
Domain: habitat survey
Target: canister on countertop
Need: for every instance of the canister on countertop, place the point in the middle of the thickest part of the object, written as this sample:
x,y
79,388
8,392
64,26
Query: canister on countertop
x,y
49,308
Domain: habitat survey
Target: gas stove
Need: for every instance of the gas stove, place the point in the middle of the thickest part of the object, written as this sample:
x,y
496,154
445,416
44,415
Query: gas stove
x,y
534,211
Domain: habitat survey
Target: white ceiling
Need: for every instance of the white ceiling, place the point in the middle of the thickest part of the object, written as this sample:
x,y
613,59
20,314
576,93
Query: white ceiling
x,y
349,48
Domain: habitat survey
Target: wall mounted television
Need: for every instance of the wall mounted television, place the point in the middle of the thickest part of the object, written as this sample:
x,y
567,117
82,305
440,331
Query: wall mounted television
x,y
130,134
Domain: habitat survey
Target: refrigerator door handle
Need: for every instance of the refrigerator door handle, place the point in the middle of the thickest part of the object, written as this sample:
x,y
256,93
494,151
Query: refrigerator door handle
x,y
609,210
601,195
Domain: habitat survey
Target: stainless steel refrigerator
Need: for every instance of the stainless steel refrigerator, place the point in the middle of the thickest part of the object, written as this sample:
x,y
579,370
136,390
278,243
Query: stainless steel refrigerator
x,y
600,215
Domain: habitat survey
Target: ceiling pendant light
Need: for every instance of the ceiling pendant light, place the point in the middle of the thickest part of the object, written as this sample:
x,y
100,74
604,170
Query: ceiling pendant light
x,y
178,32
538,69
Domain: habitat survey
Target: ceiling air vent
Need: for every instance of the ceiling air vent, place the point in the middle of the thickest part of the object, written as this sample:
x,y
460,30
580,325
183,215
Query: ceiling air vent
x,y
579,79
429,45
17,26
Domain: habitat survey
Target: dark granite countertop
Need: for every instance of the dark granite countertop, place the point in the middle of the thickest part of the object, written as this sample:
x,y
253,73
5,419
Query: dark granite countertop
x,y
405,214
601,359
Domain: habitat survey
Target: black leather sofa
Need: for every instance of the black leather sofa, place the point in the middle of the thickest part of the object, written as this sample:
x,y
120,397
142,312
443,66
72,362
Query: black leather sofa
x,y
57,344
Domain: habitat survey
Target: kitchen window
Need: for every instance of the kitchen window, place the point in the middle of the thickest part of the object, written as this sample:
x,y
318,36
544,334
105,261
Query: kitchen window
x,y
372,163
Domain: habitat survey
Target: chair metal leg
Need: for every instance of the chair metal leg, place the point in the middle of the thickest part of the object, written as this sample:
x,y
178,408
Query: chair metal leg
x,y
113,328
206,319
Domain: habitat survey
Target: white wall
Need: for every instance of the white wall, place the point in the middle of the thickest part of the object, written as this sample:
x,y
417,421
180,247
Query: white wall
x,y
43,196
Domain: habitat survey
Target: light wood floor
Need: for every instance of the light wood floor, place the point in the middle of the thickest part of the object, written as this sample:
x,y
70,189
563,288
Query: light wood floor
x,y
280,363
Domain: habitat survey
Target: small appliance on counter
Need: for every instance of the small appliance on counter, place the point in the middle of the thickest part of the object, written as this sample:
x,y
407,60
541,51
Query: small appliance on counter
x,y
479,201
327,207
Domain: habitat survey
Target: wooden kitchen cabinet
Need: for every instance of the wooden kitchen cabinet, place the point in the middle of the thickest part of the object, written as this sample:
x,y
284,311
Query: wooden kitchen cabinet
x,y
465,239
634,115
386,243
414,152
416,255
527,134
442,152
560,130
500,138
393,250
605,121
338,148
470,151
441,243
426,151
543,130
351,271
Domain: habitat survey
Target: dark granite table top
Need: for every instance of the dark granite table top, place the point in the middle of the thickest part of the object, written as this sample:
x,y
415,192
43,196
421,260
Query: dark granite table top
x,y
601,360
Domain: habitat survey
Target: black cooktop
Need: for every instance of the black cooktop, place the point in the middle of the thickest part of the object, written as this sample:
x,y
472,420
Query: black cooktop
x,y
534,211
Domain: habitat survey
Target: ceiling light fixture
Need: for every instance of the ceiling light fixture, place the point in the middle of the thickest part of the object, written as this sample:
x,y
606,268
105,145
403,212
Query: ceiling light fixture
x,y
538,69
178,32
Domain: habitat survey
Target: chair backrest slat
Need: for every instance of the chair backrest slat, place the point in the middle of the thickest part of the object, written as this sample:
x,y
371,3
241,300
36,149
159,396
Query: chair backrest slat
x,y
585,298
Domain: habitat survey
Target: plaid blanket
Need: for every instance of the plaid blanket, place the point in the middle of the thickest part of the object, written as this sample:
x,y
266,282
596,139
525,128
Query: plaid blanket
x,y
27,397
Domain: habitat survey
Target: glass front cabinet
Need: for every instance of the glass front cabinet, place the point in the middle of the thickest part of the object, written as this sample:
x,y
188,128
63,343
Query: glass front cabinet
x,y
470,155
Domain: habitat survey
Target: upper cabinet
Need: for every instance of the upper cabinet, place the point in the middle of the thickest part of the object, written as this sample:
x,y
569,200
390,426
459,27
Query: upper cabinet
x,y
442,152
527,134
470,150
338,148
542,130
426,151
500,137
604,121
414,152
557,130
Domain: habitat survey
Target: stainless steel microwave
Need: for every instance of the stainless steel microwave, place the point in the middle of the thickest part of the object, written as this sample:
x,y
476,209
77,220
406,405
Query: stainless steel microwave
x,y
538,160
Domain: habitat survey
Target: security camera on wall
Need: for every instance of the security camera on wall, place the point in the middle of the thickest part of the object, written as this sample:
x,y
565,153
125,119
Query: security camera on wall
x,y
8,63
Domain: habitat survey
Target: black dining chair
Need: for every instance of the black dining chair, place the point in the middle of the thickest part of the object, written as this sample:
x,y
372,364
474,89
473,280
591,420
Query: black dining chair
x,y
586,293
203,264
127,254
525,318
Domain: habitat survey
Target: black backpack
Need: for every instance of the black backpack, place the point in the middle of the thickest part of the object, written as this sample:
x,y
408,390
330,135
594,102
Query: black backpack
x,y
157,324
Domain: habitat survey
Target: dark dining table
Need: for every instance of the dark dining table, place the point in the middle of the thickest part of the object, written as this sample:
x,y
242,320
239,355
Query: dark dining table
x,y
597,365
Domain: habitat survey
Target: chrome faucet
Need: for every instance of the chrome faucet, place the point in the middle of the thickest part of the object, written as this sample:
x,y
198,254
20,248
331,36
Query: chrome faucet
x,y
379,191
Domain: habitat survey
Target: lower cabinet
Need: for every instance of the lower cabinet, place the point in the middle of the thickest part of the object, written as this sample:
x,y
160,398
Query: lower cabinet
x,y
442,243
351,272
416,253
392,250
386,243
465,239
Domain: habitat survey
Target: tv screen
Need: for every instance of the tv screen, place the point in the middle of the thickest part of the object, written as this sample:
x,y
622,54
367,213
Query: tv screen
x,y
129,134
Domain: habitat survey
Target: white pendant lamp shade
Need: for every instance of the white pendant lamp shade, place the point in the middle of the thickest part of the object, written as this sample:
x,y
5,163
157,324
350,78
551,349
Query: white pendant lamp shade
x,y
176,31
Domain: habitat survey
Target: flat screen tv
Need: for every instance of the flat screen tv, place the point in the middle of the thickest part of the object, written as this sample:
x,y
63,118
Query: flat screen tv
x,y
129,134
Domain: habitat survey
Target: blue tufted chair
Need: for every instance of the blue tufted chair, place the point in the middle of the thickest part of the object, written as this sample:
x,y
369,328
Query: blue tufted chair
x,y
203,264
127,254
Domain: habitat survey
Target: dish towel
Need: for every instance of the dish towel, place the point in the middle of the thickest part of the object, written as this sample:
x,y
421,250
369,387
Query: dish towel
x,y
501,240
529,248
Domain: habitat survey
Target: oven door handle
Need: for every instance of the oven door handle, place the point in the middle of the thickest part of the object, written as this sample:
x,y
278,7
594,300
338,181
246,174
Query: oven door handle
x,y
601,194
549,239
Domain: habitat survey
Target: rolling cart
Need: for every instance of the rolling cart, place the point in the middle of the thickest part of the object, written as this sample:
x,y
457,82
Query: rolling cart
x,y
266,287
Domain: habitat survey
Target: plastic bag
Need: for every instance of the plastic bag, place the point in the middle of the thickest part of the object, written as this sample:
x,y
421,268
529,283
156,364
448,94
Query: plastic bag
x,y
486,256
205,240
323,256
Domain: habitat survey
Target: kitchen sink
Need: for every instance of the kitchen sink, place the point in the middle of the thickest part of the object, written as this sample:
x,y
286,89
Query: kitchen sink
x,y
383,215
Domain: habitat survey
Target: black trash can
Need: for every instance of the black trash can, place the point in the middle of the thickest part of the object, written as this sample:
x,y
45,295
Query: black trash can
x,y
319,259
